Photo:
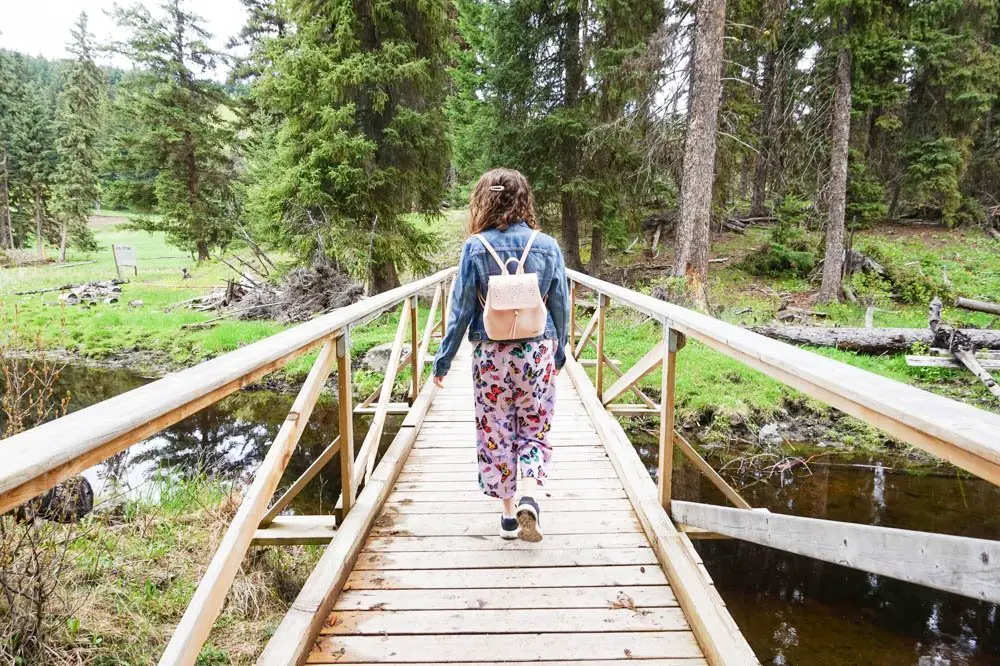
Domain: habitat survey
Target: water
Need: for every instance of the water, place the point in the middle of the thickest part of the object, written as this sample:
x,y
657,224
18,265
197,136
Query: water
x,y
793,610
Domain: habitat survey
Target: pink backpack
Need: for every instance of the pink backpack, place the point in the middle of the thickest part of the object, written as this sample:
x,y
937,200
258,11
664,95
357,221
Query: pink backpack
x,y
513,308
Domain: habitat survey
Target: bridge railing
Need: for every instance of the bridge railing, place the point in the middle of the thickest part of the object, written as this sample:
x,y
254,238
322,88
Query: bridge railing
x,y
964,435
36,460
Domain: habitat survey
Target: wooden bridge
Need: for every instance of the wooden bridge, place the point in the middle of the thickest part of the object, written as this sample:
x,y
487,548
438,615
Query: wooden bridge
x,y
414,572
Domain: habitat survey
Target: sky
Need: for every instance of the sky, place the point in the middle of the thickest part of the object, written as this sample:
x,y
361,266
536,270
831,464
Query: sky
x,y
41,27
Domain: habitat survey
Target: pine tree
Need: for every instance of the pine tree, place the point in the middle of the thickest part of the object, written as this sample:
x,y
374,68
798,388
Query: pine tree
x,y
34,169
78,123
11,104
360,93
173,141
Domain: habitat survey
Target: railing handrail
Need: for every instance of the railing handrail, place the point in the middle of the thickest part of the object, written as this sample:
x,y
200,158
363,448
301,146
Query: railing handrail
x,y
965,435
39,458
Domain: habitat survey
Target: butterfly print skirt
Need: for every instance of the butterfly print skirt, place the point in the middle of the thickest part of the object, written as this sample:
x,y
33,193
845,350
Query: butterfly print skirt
x,y
515,391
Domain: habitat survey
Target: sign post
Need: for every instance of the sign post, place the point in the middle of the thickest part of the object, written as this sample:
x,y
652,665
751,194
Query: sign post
x,y
124,256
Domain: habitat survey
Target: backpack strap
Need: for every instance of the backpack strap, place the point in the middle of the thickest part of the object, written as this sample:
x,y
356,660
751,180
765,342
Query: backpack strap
x,y
527,248
493,253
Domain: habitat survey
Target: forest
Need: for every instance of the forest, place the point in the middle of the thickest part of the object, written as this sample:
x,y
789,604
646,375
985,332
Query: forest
x,y
336,125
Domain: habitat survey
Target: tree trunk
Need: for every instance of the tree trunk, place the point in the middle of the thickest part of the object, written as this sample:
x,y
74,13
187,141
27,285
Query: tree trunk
x,y
871,340
699,150
63,239
384,277
596,249
6,225
39,240
764,123
833,261
572,60
202,247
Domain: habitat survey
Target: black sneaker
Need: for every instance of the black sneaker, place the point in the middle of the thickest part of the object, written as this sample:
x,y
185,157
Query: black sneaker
x,y
509,527
529,518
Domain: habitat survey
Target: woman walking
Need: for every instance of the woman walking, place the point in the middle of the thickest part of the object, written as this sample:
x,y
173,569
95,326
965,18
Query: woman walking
x,y
511,294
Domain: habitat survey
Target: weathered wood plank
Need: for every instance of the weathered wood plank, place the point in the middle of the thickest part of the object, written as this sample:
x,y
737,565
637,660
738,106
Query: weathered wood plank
x,y
296,530
322,460
557,471
390,523
642,367
525,485
575,662
476,495
513,559
488,621
490,506
506,578
487,542
534,647
970,567
638,596
560,456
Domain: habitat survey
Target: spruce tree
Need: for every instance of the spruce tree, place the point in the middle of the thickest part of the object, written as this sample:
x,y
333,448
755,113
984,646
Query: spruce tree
x,y
360,93
11,105
173,140
76,186
35,168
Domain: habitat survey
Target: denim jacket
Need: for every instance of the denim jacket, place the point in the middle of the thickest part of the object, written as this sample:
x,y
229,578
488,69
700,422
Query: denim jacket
x,y
474,270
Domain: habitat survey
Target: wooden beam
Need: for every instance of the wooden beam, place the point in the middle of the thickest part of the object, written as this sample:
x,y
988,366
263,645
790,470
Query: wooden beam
x,y
195,625
369,448
642,367
572,315
668,356
416,367
296,531
706,469
960,433
585,335
40,458
970,567
602,310
322,460
429,328
613,366
348,488
395,408
987,362
293,639
633,410
717,634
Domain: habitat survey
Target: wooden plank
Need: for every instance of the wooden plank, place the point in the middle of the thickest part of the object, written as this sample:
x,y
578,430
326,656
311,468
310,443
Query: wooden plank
x,y
348,487
502,578
639,596
531,647
603,302
394,409
416,360
488,621
716,632
196,623
489,506
585,335
557,471
558,440
706,469
430,457
292,640
369,448
527,488
633,410
575,662
513,559
970,567
476,495
429,327
43,456
477,524
322,460
642,367
668,402
296,530
489,542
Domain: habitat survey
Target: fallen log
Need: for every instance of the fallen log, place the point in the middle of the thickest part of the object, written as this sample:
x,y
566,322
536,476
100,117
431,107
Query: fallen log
x,y
978,306
870,340
988,363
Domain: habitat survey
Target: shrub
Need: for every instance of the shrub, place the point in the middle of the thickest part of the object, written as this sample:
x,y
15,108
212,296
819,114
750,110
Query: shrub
x,y
779,260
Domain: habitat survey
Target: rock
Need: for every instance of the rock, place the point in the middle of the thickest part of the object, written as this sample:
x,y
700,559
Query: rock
x,y
376,359
136,303
770,436
67,502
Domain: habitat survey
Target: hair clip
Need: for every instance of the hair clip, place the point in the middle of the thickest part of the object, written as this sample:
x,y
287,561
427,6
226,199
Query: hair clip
x,y
496,188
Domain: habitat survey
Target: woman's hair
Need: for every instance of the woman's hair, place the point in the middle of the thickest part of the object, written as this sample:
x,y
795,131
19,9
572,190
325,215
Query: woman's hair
x,y
501,198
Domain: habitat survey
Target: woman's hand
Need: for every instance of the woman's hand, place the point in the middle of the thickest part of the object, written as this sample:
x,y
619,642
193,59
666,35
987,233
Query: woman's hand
x,y
439,382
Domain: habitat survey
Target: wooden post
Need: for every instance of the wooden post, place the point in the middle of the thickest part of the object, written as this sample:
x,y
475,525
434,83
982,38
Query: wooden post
x,y
118,269
572,316
666,470
416,367
602,308
346,423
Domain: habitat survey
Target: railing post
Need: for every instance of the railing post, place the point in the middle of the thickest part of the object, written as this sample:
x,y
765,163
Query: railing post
x,y
344,397
672,342
572,316
602,306
416,365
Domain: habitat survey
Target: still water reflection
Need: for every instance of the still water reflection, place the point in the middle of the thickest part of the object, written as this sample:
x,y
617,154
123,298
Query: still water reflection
x,y
793,610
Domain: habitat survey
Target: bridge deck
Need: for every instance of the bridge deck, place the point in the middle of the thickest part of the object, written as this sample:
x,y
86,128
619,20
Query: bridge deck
x,y
435,584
